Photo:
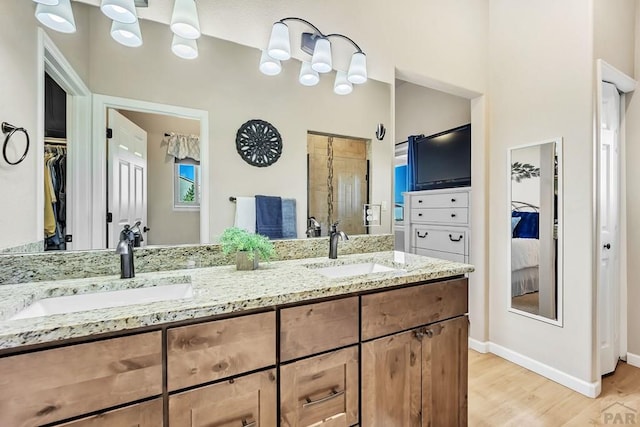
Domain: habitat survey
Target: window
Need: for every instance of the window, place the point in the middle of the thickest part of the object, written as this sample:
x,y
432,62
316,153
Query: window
x,y
187,191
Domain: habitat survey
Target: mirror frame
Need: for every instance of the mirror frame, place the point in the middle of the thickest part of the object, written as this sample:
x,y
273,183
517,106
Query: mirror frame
x,y
560,261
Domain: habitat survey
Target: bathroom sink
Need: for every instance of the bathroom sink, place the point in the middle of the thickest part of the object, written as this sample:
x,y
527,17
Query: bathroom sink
x,y
97,300
348,270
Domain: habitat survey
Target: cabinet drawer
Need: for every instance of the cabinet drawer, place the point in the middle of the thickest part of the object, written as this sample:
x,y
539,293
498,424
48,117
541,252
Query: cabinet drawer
x,y
148,414
219,349
45,386
320,389
441,215
443,200
392,311
243,401
314,328
446,240
440,255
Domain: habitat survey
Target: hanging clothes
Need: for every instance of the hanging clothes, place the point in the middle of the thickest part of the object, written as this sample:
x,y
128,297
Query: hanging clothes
x,y
55,214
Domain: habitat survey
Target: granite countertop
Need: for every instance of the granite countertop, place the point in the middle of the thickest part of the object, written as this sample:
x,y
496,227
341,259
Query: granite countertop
x,y
216,290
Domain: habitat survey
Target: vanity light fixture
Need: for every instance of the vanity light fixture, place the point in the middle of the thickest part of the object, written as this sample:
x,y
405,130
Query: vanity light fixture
x,y
57,16
184,48
48,2
317,45
269,65
127,34
123,11
184,20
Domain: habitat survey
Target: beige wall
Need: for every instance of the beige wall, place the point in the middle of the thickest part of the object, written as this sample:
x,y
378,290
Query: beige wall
x,y
168,226
541,84
614,33
633,205
420,110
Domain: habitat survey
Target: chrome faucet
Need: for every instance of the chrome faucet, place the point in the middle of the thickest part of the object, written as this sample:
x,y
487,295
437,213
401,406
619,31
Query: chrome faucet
x,y
313,227
334,234
125,250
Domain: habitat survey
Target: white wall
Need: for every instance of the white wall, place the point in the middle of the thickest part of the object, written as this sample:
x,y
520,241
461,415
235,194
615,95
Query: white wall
x,y
420,110
168,226
541,86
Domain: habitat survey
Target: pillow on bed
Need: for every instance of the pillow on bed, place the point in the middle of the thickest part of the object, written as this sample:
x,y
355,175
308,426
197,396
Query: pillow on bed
x,y
528,227
514,221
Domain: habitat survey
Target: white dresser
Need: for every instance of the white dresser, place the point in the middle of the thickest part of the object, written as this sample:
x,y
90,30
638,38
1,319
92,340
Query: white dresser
x,y
437,223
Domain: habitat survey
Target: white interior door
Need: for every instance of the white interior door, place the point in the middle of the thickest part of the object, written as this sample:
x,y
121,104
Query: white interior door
x,y
127,176
609,210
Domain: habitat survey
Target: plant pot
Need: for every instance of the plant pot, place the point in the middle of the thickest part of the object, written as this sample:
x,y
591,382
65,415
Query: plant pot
x,y
244,263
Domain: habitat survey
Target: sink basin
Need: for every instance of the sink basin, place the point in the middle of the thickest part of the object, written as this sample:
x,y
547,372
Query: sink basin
x,y
96,300
349,270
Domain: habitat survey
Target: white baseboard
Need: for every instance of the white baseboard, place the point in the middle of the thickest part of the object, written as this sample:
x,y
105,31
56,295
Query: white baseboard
x,y
633,360
589,389
479,346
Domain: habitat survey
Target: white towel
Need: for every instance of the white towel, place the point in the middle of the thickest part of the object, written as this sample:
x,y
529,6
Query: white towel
x,y
246,213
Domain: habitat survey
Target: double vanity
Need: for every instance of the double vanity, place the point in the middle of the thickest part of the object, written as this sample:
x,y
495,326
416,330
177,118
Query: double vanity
x,y
371,339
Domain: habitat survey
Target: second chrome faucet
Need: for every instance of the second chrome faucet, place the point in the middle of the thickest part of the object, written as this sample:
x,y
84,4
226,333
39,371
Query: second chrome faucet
x,y
334,235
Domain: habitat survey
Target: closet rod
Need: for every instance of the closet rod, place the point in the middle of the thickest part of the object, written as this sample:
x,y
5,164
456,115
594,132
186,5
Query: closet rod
x,y
55,141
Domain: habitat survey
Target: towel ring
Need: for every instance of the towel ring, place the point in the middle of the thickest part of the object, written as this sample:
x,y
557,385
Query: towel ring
x,y
9,130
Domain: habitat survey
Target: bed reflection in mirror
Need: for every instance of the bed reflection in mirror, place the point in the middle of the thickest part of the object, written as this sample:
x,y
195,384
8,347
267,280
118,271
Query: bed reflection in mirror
x,y
536,244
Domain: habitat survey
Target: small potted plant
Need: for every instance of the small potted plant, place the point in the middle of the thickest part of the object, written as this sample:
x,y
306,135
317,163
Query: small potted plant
x,y
247,246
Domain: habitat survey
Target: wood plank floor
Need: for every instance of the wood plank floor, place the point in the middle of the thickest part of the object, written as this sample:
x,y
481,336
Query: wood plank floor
x,y
504,394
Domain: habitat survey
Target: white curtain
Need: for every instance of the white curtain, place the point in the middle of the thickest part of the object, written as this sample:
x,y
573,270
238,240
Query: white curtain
x,y
182,146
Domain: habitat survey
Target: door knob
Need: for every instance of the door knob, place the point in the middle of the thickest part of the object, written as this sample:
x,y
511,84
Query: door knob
x,y
607,246
145,229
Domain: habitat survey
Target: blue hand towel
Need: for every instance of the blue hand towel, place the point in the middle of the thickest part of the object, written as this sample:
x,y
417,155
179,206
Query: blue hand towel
x,y
289,219
269,216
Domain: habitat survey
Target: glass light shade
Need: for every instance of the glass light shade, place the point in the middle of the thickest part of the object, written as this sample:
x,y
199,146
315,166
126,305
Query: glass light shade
x,y
279,46
308,76
357,73
126,34
269,65
342,86
321,60
184,48
184,21
58,17
120,10
48,2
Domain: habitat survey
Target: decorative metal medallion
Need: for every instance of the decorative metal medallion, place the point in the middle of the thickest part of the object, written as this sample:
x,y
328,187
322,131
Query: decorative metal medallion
x,y
259,143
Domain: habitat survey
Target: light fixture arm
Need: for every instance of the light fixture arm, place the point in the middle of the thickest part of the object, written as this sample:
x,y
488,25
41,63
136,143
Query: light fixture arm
x,y
320,33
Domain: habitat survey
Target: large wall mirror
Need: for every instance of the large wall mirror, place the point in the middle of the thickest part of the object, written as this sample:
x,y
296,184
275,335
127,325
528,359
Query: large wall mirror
x,y
535,247
163,94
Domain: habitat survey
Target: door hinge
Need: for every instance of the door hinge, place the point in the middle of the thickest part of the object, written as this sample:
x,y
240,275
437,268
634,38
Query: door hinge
x,y
109,133
109,217
68,238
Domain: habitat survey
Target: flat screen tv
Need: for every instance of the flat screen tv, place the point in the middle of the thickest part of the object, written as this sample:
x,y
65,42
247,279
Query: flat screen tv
x,y
442,160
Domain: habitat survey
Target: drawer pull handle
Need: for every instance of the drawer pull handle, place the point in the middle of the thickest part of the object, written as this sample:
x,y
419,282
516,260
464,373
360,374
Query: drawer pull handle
x,y
419,200
419,214
334,393
455,240
426,233
248,424
453,215
453,200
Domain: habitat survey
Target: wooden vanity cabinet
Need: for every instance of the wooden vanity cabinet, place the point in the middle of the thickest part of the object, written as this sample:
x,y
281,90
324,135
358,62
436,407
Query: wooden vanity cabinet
x,y
320,390
146,414
245,401
417,377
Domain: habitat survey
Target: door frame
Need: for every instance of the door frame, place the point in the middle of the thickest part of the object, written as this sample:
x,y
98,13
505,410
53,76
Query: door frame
x,y
625,84
52,61
100,105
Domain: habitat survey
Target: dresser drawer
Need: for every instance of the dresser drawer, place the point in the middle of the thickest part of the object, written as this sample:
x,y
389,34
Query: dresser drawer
x,y
440,239
320,389
314,328
222,348
50,385
440,255
440,215
442,200
400,309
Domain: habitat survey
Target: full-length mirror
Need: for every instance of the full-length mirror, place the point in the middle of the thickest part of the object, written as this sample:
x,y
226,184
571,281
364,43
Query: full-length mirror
x,y
536,230
223,87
